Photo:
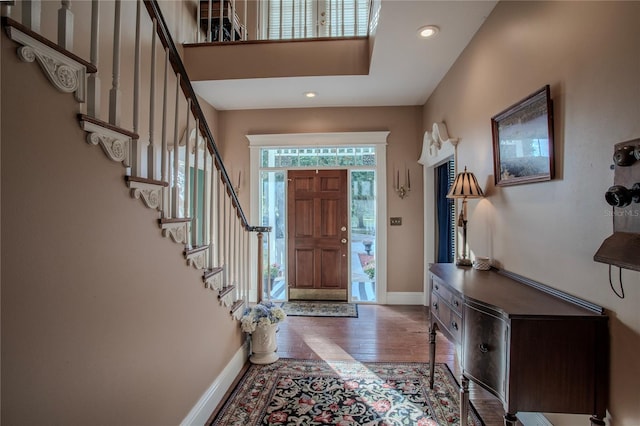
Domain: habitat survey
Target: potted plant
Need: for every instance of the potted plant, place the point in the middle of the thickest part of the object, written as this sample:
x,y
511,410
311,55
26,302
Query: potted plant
x,y
261,322
370,269
271,273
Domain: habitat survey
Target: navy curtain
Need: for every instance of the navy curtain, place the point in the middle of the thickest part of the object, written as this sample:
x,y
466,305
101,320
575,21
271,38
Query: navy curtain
x,y
444,243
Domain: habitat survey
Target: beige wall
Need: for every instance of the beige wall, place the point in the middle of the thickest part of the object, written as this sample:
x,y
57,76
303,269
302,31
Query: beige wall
x,y
588,53
404,143
101,317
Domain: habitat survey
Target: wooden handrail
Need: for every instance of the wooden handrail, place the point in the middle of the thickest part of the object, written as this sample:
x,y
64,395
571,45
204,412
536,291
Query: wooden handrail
x,y
187,89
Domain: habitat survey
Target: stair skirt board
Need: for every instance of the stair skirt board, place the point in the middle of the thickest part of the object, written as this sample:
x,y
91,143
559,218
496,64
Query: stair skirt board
x,y
206,405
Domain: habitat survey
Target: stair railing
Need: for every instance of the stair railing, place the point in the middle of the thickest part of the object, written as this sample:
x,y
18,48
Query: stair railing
x,y
172,162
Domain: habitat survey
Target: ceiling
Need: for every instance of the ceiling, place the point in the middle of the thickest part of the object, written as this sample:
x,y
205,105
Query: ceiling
x,y
405,69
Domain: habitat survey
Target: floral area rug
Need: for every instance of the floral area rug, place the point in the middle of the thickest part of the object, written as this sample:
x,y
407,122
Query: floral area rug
x,y
320,309
344,393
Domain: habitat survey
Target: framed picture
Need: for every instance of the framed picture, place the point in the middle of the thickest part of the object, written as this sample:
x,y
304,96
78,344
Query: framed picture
x,y
523,140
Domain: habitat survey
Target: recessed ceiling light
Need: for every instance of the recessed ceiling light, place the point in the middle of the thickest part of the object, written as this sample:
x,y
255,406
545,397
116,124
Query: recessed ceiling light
x,y
428,31
310,94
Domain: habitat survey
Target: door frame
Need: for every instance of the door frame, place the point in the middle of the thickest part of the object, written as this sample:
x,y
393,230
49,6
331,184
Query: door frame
x,y
292,140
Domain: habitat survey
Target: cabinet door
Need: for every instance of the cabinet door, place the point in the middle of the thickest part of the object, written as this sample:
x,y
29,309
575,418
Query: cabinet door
x,y
484,349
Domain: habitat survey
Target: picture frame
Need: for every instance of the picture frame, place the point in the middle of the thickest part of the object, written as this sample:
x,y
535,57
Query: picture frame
x,y
523,149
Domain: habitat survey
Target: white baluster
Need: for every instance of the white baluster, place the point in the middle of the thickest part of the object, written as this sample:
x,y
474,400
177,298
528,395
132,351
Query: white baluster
x,y
220,222
196,166
209,22
65,25
232,20
151,151
164,169
221,22
187,163
244,20
205,204
176,152
31,12
93,82
213,196
114,93
136,154
228,234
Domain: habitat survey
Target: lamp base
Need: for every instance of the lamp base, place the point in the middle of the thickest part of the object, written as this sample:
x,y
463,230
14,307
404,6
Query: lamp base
x,y
463,262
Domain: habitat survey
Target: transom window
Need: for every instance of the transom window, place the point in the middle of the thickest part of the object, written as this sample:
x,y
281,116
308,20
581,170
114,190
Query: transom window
x,y
317,157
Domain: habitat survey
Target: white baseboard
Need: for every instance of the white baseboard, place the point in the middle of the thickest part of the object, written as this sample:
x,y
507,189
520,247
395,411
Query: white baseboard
x,y
533,419
405,298
208,402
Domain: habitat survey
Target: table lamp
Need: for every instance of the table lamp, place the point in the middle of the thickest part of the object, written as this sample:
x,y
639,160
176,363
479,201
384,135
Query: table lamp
x,y
465,186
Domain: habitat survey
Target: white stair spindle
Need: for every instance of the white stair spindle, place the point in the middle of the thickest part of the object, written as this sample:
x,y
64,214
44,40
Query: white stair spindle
x,y
187,179
151,150
136,154
164,168
205,204
114,93
228,234
93,82
212,211
221,23
210,21
220,213
244,20
196,166
232,21
176,153
65,26
31,13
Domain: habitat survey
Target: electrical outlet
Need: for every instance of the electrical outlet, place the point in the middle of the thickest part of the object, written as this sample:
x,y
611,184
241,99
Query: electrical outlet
x,y
395,221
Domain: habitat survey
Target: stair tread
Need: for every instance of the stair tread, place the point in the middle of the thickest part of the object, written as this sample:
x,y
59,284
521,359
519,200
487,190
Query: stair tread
x,y
104,124
145,180
226,290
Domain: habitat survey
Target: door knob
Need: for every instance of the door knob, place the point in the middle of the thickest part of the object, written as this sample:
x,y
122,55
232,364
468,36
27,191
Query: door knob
x,y
343,241
344,228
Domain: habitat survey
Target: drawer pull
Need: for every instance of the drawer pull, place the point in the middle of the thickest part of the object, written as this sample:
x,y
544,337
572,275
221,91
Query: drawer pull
x,y
436,287
483,348
456,303
454,325
435,305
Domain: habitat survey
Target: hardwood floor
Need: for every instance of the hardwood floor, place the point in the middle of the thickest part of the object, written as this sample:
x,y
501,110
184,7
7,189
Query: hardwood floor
x,y
380,333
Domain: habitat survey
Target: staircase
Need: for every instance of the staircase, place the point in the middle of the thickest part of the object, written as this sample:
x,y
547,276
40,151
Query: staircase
x,y
171,161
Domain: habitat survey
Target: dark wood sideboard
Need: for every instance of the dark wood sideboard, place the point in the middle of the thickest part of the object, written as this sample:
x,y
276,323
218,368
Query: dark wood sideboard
x,y
535,348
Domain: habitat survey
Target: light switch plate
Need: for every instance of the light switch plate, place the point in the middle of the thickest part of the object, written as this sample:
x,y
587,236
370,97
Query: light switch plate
x,y
395,221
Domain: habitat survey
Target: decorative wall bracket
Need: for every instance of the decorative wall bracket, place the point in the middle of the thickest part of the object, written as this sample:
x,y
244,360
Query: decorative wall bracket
x,y
214,279
147,190
114,142
176,229
197,257
64,70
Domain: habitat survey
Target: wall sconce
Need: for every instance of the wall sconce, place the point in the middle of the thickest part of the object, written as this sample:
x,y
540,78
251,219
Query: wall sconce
x,y
465,186
402,190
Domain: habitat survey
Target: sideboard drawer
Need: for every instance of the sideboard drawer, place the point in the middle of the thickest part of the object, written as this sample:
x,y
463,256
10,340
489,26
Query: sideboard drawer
x,y
448,318
484,349
451,297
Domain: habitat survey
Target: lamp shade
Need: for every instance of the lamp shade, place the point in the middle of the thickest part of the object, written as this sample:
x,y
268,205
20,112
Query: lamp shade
x,y
465,186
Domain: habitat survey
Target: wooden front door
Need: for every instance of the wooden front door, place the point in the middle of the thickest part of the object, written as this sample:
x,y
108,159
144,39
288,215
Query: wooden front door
x,y
317,234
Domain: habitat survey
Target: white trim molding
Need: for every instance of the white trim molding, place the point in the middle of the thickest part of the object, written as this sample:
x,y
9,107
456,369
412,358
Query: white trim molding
x,y
405,298
208,402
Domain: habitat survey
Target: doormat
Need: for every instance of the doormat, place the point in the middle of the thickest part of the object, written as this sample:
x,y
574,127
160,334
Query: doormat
x,y
320,309
310,392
